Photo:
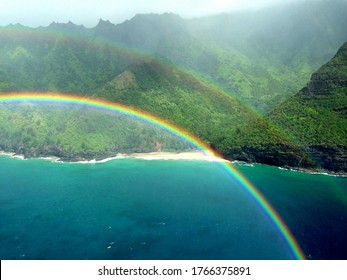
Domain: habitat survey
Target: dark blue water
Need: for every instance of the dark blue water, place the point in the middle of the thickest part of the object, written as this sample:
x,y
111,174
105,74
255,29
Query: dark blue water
x,y
138,209
313,206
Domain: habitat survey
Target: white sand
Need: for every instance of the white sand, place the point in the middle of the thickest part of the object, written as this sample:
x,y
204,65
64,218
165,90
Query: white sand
x,y
194,155
174,156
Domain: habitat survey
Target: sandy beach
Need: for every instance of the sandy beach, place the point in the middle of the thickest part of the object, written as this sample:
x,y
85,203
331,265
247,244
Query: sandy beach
x,y
193,155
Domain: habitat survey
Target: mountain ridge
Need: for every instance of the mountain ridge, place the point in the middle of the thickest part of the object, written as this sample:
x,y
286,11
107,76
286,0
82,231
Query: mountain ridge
x,y
261,57
316,116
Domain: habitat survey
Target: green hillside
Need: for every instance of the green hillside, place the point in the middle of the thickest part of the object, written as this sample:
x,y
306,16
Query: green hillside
x,y
36,61
42,60
196,73
160,88
317,116
307,131
263,57
78,133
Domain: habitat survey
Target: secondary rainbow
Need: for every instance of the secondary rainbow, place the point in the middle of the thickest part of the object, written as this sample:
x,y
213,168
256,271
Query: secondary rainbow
x,y
173,129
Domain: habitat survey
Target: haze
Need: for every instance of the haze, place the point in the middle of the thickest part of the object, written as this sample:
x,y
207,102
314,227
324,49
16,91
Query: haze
x,y
88,12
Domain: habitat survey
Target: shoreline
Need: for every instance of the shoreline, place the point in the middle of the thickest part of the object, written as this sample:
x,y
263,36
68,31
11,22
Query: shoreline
x,y
191,155
313,171
194,155
12,155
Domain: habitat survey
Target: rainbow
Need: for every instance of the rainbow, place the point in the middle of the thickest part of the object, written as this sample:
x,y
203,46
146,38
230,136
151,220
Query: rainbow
x,y
6,98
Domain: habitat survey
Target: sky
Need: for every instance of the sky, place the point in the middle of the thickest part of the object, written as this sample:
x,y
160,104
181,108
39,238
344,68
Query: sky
x,y
88,12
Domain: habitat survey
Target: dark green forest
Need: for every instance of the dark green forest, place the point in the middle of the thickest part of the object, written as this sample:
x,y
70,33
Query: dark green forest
x,y
78,133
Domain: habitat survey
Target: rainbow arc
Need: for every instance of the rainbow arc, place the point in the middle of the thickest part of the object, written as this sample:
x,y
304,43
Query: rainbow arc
x,y
241,180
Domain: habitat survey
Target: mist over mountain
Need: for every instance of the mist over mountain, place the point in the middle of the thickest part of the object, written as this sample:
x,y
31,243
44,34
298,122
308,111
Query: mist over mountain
x,y
262,57
309,130
34,61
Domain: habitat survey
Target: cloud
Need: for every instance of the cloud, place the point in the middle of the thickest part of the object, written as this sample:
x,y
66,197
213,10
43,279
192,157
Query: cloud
x,y
88,12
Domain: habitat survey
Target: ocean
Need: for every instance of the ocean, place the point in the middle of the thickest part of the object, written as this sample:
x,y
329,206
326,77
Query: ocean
x,y
164,209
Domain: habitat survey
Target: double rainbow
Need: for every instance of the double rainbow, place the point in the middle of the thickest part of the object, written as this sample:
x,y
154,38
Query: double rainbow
x,y
173,129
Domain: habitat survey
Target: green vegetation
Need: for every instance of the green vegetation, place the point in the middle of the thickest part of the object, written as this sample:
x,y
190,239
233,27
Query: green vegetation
x,y
312,121
161,89
317,116
259,58
155,85
73,133
34,60
262,57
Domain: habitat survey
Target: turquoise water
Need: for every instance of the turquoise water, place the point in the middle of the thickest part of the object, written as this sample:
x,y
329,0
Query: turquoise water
x,y
139,209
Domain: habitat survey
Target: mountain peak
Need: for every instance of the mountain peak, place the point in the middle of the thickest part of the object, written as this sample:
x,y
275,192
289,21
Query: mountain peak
x,y
153,19
103,23
330,77
69,26
17,25
104,28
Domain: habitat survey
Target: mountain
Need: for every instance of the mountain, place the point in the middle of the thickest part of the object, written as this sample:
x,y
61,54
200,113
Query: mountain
x,y
262,57
36,61
317,116
57,59
158,87
74,133
307,131
214,76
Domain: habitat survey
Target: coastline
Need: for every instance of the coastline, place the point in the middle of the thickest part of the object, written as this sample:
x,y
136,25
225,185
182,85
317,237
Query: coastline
x,y
194,155
191,155
12,155
314,172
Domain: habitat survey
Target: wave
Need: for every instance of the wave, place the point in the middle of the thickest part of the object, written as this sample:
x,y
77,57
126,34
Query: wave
x,y
312,172
242,163
12,155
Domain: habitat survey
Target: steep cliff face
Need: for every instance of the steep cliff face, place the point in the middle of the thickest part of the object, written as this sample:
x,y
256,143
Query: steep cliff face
x,y
316,118
330,158
330,78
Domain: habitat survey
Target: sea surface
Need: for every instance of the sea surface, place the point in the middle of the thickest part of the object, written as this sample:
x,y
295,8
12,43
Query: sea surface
x,y
164,209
